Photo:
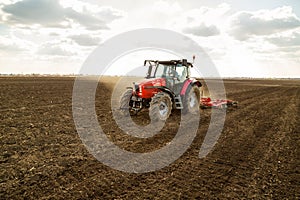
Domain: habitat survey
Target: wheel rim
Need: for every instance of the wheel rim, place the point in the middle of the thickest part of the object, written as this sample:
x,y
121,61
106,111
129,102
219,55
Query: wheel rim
x,y
193,100
163,108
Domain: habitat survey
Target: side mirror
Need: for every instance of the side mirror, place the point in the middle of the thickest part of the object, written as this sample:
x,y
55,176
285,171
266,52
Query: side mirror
x,y
184,62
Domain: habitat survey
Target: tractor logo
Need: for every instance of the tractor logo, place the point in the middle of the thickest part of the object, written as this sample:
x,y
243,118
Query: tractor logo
x,y
168,85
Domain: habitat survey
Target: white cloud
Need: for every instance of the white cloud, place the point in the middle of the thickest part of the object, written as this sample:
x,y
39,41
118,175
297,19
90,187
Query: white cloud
x,y
86,40
166,7
105,13
88,21
50,13
202,30
57,48
286,40
12,44
203,21
53,51
109,14
208,15
47,12
155,14
52,29
244,25
10,47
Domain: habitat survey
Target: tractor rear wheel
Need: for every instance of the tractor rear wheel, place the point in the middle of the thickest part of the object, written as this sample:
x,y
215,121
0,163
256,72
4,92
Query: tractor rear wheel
x,y
191,100
125,107
160,107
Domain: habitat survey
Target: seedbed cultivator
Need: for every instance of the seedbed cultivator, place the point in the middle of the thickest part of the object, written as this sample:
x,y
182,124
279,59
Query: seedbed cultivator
x,y
207,102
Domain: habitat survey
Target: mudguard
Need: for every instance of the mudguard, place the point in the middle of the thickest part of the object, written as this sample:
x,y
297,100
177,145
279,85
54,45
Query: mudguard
x,y
167,90
187,83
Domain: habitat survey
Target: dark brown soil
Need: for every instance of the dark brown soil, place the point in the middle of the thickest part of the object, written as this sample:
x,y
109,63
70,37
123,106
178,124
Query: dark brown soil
x,y
42,156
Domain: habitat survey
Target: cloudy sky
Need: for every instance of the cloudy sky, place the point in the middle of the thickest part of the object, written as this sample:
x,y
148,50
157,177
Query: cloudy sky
x,y
243,38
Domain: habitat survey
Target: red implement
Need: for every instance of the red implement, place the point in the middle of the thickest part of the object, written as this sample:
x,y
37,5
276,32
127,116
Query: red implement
x,y
207,102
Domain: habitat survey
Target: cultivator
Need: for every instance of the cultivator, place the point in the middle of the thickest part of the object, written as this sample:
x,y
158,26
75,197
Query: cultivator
x,y
207,102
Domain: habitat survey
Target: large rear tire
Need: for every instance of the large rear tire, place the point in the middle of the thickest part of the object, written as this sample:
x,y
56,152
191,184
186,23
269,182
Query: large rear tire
x,y
160,107
191,100
125,107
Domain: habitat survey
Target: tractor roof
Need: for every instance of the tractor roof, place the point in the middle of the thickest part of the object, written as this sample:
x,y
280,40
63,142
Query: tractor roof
x,y
170,62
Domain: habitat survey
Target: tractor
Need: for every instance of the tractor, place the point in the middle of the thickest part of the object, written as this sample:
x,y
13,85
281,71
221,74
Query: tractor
x,y
168,85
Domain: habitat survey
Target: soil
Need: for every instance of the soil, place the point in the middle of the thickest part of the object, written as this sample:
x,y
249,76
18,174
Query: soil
x,y
42,157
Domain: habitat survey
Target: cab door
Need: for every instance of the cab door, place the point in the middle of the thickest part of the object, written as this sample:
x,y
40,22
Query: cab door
x,y
180,77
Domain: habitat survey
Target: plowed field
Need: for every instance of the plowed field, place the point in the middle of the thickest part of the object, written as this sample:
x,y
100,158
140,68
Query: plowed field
x,y
42,157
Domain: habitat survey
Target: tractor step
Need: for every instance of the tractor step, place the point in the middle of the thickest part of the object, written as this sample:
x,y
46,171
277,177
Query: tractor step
x,y
178,102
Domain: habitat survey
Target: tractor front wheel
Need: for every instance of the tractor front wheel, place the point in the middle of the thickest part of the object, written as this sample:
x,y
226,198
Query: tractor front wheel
x,y
125,107
160,107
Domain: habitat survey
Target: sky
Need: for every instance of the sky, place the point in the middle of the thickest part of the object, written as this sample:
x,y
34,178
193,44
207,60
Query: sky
x,y
242,38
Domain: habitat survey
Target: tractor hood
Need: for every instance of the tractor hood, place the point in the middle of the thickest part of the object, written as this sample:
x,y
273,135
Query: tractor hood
x,y
153,82
147,88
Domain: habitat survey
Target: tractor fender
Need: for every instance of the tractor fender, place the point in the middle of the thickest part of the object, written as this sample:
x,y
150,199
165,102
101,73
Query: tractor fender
x,y
196,82
167,90
187,83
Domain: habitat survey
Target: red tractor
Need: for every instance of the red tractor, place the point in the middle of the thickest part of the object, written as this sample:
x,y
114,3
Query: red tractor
x,y
168,86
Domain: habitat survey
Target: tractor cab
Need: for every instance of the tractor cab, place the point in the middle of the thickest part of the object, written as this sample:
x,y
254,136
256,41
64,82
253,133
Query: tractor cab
x,y
174,72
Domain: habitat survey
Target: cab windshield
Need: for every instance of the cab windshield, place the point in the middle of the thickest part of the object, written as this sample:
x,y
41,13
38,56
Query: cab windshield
x,y
167,71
